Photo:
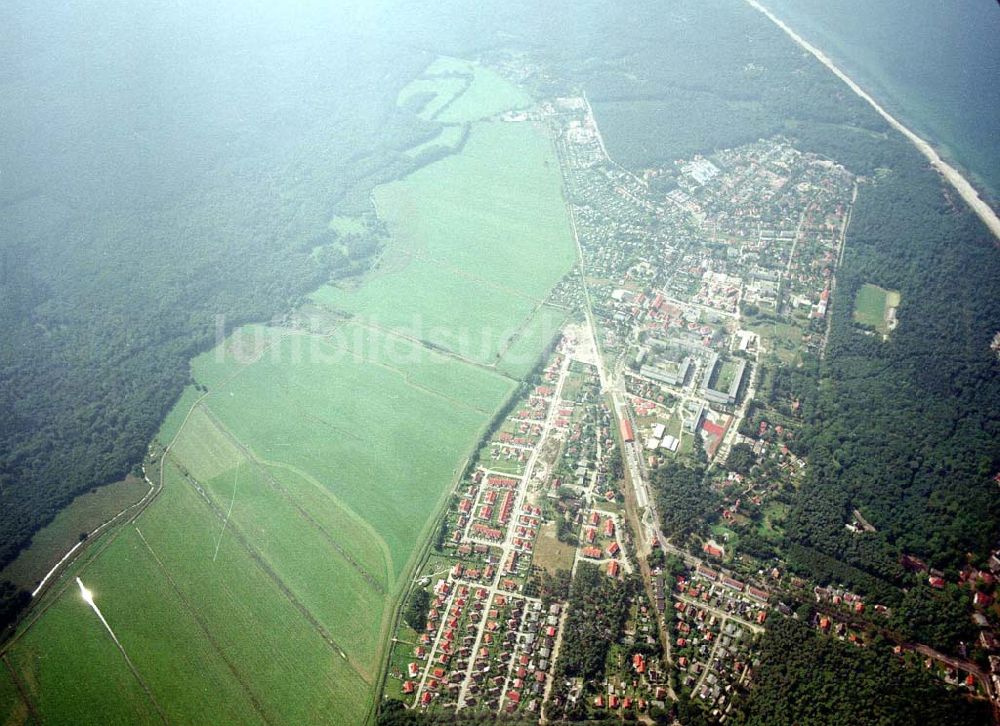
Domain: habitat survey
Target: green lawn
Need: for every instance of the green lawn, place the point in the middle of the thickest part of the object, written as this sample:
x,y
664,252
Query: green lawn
x,y
727,373
720,532
772,526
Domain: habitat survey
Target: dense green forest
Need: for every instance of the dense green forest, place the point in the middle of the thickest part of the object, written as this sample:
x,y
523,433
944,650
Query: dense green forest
x,y
684,502
908,430
598,606
805,678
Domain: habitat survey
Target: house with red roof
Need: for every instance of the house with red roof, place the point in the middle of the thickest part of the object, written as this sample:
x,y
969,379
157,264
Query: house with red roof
x,y
712,551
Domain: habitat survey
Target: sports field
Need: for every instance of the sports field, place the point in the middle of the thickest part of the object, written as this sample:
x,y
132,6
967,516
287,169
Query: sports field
x,y
306,468
872,306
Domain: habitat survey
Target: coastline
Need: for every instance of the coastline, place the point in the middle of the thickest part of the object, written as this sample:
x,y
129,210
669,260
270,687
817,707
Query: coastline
x,y
951,175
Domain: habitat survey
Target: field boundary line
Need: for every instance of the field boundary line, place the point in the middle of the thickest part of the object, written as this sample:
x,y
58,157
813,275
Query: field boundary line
x,y
247,453
282,586
509,343
25,698
431,347
351,514
254,701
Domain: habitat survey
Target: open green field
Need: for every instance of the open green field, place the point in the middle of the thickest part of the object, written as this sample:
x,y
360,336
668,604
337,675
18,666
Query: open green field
x,y
455,91
784,339
488,94
298,491
521,352
550,553
772,526
478,240
347,225
369,421
872,305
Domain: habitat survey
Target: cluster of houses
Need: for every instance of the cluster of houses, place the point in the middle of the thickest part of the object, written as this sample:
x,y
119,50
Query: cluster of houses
x,y
715,620
480,649
598,539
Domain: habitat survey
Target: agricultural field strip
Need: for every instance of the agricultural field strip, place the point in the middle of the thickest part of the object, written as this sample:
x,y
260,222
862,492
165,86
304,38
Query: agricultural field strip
x,y
407,376
248,454
432,349
203,626
254,619
376,538
279,583
461,272
196,631
255,557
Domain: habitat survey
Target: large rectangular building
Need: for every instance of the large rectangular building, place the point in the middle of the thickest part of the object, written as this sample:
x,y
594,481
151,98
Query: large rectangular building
x,y
672,374
728,396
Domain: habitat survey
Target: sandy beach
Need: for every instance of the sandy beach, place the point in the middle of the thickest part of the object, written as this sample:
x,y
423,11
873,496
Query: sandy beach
x,y
950,173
